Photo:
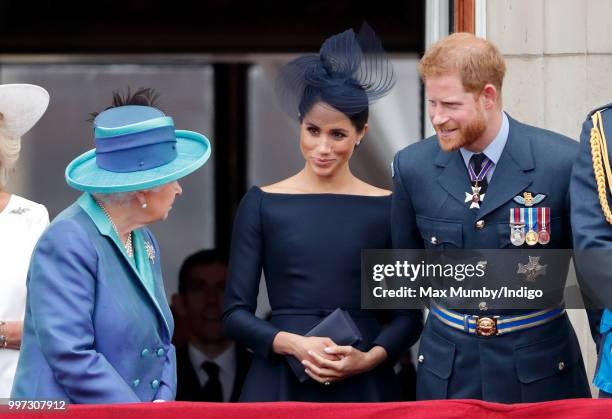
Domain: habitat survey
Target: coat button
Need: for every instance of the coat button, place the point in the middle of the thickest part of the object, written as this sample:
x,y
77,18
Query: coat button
x,y
434,240
421,358
480,224
145,352
136,382
155,384
561,365
161,352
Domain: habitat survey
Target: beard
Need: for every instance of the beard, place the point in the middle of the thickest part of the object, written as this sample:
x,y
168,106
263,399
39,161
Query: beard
x,y
463,135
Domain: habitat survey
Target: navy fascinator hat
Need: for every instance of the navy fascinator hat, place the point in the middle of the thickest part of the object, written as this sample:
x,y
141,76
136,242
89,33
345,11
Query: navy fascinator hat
x,y
351,72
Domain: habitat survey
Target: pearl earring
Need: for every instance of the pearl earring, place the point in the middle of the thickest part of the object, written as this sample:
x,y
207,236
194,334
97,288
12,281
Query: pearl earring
x,y
144,205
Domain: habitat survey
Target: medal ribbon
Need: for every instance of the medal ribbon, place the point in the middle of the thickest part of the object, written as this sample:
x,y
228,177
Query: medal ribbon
x,y
486,166
533,219
543,216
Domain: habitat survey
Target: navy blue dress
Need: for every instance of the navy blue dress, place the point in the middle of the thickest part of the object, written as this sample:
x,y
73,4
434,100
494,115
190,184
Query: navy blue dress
x,y
309,247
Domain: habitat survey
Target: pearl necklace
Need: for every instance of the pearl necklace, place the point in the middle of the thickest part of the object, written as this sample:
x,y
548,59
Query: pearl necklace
x,y
129,248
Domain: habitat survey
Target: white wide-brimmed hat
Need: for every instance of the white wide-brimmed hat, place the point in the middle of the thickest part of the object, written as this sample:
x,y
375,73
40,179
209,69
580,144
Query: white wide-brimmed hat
x,y
21,106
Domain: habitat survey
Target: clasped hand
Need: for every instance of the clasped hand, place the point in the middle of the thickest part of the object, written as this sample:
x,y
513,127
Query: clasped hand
x,y
323,360
336,363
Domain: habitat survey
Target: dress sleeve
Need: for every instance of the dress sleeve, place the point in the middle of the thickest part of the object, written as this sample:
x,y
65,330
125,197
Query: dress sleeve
x,y
239,320
405,326
400,334
404,231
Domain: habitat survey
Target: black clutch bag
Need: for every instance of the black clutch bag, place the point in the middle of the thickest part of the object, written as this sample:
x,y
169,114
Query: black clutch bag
x,y
339,327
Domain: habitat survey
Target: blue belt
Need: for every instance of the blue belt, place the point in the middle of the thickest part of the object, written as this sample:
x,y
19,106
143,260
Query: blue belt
x,y
495,325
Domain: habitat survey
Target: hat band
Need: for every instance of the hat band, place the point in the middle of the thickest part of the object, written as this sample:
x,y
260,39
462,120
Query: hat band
x,y
138,151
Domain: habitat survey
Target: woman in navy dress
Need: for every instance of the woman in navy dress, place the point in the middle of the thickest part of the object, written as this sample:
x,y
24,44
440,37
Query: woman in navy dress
x,y
307,232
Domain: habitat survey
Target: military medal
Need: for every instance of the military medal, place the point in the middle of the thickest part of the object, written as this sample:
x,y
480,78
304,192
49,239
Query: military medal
x,y
544,217
475,198
517,226
532,220
533,269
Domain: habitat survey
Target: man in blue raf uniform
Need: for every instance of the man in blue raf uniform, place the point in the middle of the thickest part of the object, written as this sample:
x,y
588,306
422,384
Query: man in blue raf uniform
x,y
456,190
592,227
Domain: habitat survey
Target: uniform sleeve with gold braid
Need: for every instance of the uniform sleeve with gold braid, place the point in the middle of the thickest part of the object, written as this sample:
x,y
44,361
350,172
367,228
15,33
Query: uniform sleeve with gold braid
x,y
601,164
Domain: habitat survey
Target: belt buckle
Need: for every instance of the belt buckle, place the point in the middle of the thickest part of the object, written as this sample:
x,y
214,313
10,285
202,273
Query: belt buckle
x,y
486,326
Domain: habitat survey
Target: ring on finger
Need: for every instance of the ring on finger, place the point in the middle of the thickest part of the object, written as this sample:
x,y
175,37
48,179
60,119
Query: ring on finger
x,y
327,383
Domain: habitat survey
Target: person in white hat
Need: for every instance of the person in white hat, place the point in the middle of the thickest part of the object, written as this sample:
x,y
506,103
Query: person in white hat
x,y
21,221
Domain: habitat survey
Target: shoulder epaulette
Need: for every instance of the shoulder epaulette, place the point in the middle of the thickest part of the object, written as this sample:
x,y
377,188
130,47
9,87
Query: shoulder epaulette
x,y
601,108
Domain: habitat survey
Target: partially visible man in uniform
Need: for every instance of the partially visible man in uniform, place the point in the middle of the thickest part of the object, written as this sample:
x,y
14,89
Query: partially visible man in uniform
x,y
592,227
455,190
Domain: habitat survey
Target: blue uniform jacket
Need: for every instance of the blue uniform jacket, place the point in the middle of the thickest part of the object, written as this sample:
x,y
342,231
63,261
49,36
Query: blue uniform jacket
x,y
593,240
92,332
429,211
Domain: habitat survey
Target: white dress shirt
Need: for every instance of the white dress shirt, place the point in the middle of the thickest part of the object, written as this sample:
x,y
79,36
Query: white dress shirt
x,y
494,150
226,361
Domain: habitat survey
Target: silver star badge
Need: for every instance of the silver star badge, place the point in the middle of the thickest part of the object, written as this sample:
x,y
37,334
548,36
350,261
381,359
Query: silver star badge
x,y
475,197
150,251
533,269
19,211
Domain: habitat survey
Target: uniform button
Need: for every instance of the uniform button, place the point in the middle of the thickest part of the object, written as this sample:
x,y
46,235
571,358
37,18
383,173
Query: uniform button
x,y
136,382
421,358
155,384
434,240
561,365
145,352
480,224
161,352
483,306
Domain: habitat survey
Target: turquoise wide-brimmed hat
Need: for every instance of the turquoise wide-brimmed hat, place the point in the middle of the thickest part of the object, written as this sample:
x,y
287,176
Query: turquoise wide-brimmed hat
x,y
137,147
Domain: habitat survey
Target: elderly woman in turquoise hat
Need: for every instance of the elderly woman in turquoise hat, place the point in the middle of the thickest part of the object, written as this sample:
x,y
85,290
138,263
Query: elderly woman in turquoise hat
x,y
98,327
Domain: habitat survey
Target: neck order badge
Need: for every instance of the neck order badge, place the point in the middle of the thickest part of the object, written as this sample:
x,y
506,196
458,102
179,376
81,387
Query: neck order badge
x,y
476,197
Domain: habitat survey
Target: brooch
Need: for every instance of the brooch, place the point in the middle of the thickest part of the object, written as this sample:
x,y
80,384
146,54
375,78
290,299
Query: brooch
x,y
150,251
19,211
528,199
